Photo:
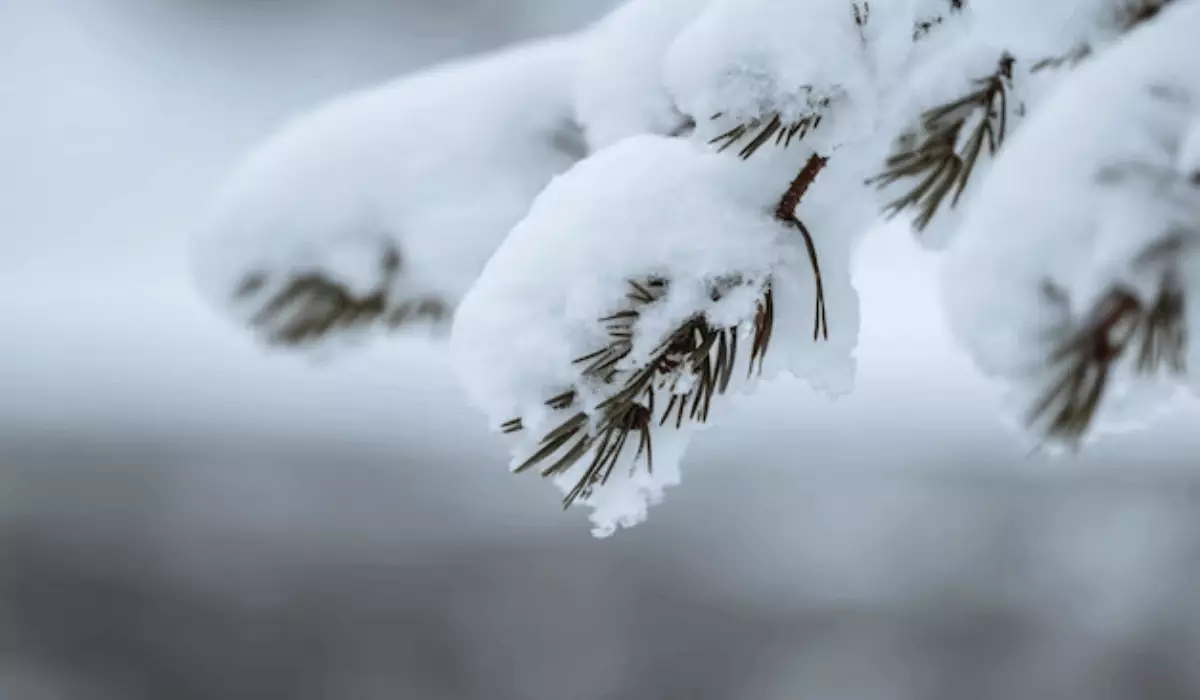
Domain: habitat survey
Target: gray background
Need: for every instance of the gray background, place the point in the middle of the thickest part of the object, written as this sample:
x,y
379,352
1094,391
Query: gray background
x,y
185,515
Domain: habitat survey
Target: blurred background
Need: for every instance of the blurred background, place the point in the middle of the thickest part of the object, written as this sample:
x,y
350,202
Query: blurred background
x,y
184,514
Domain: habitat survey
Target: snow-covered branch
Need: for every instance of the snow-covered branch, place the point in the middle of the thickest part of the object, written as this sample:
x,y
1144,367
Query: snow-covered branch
x,y
633,222
1076,268
378,210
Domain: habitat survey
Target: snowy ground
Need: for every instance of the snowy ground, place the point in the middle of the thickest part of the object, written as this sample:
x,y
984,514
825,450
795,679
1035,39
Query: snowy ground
x,y
186,515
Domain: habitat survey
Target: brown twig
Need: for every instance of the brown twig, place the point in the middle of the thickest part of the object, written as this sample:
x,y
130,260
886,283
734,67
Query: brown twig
x,y
785,212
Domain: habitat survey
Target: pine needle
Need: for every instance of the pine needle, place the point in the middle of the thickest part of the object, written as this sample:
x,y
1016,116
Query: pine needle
x,y
1070,59
310,307
942,161
923,28
703,354
1084,360
693,365
760,131
862,14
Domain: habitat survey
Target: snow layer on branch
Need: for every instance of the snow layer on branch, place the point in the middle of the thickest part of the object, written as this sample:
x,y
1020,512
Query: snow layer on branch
x,y
1091,197
1039,42
647,208
386,203
748,59
621,87
1036,29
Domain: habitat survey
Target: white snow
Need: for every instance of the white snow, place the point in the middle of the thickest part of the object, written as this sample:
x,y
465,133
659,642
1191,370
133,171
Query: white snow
x,y
1035,29
942,77
1053,212
1189,153
647,207
1044,42
745,59
621,88
438,166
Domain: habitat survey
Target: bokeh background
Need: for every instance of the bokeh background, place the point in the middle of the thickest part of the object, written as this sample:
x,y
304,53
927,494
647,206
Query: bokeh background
x,y
184,514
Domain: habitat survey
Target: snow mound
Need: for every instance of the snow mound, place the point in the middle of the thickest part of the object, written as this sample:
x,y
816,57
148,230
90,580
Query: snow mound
x,y
741,61
634,295
621,88
379,209
1068,279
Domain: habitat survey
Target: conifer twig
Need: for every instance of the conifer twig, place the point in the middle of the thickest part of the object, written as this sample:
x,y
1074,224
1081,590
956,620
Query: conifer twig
x,y
311,306
1085,358
943,158
693,365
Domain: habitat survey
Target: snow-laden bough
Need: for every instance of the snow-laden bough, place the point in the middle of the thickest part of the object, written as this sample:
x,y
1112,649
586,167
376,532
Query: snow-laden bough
x,y
378,210
621,88
1071,278
643,286
991,63
738,151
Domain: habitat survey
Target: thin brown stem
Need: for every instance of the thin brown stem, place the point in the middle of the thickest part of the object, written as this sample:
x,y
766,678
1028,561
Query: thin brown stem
x,y
785,212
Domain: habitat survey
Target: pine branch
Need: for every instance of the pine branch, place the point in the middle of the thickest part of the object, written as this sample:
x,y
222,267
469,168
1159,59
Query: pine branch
x,y
1085,359
311,306
943,161
694,364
